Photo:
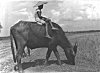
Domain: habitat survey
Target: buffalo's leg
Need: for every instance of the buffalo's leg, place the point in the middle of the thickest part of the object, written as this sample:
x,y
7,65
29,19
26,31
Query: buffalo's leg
x,y
19,63
20,43
57,55
24,54
48,55
18,57
28,51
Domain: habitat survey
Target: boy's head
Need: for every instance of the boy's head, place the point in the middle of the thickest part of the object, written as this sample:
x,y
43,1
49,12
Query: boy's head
x,y
40,7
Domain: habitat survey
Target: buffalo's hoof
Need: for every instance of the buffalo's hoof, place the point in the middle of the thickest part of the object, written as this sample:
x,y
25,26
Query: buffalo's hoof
x,y
60,63
72,63
46,63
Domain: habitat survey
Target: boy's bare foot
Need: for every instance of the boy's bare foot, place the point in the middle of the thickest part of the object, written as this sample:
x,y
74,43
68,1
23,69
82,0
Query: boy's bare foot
x,y
54,28
47,36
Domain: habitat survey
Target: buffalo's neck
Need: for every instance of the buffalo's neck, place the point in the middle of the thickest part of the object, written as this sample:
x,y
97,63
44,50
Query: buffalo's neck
x,y
65,43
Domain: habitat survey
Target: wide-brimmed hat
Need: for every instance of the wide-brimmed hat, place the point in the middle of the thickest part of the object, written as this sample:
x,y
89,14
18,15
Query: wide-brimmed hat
x,y
40,3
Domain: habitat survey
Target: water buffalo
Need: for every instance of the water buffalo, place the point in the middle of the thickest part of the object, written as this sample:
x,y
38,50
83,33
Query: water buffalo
x,y
32,35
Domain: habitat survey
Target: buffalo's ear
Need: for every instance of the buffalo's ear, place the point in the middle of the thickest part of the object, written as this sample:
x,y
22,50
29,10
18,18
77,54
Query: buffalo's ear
x,y
75,48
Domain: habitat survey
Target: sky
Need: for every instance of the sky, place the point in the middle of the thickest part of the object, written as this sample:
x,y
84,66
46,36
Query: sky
x,y
59,11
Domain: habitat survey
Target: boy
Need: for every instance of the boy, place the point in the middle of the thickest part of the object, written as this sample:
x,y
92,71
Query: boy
x,y
38,17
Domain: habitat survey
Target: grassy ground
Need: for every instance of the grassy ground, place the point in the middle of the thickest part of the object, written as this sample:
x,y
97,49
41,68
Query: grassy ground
x,y
87,58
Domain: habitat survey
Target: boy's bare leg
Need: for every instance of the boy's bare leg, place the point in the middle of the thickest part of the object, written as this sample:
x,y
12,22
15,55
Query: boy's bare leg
x,y
53,26
47,34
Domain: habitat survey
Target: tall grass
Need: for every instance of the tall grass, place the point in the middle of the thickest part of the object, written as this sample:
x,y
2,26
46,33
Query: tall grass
x,y
88,48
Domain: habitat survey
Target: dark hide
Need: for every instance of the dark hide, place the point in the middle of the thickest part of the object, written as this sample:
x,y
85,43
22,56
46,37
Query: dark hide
x,y
32,35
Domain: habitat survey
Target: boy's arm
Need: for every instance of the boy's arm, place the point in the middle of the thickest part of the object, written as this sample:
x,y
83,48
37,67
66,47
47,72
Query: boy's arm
x,y
39,14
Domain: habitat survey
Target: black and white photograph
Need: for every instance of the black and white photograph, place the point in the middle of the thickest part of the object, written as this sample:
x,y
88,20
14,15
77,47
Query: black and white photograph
x,y
49,36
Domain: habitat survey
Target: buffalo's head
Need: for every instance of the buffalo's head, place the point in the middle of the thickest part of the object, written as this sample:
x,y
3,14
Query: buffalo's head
x,y
71,53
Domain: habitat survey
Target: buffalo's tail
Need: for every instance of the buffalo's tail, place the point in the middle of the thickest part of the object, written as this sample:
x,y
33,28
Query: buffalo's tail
x,y
12,45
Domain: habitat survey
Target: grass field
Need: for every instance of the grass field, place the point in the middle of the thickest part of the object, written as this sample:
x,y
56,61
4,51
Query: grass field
x,y
89,47
87,58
